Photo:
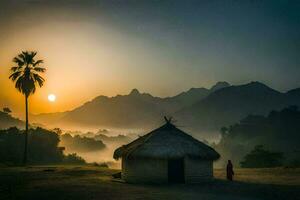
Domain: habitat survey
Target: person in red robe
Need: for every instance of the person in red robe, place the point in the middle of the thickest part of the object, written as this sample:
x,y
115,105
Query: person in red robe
x,y
229,170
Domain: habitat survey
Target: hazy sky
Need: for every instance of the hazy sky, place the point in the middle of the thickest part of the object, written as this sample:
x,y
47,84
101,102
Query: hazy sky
x,y
96,48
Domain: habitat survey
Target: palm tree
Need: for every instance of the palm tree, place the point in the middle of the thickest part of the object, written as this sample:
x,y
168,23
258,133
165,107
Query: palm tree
x,y
26,75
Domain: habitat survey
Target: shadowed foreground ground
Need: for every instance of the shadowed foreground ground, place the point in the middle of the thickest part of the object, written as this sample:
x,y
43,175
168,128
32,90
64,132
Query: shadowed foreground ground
x,y
78,182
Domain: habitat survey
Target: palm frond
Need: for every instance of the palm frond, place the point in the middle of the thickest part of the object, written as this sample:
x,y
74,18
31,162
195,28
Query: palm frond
x,y
38,62
19,61
33,54
22,56
14,69
19,84
37,78
39,69
25,84
26,73
30,85
15,75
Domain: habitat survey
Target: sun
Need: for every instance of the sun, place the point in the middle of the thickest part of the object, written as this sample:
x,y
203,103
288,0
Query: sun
x,y
51,97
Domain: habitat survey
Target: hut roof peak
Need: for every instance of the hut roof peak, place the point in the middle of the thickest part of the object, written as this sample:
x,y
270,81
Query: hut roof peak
x,y
166,141
168,119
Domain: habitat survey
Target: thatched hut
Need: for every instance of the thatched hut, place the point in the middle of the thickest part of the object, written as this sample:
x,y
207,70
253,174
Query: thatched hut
x,y
166,154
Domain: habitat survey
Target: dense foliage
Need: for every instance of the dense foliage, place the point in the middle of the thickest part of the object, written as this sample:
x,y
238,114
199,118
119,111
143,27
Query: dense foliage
x,y
278,132
73,159
113,139
7,110
80,144
262,158
43,147
6,121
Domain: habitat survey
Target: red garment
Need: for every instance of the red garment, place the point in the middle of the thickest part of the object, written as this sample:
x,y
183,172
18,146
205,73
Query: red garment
x,y
229,170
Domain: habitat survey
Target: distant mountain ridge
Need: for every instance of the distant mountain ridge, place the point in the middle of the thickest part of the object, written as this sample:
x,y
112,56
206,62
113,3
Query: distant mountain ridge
x,y
130,111
229,105
199,110
219,85
7,121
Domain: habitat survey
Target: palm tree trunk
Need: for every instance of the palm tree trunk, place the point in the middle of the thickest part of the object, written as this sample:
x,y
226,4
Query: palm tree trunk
x,y
26,132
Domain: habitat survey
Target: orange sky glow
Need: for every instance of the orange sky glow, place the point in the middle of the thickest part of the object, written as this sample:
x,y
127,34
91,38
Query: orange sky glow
x,y
93,48
80,67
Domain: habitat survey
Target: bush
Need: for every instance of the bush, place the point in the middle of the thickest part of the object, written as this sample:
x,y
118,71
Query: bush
x,y
104,165
73,159
42,146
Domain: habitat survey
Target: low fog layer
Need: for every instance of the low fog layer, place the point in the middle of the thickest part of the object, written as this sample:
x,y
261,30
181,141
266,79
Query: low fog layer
x,y
95,146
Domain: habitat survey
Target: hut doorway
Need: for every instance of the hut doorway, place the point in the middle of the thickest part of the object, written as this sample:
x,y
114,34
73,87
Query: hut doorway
x,y
176,170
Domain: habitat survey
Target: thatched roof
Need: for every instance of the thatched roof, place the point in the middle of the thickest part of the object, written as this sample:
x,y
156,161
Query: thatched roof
x,y
166,142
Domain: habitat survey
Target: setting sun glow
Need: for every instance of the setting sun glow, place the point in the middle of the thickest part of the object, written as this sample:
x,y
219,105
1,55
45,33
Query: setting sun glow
x,y
51,97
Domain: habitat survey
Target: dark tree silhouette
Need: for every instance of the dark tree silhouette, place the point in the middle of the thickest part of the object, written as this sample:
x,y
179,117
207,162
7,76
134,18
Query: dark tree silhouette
x,y
44,148
7,110
58,131
224,131
278,132
261,158
26,75
78,143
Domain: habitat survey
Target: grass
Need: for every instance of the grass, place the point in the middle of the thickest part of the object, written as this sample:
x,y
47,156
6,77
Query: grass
x,y
277,176
91,182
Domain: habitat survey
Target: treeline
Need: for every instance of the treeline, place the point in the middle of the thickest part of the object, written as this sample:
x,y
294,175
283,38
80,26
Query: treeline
x,y
259,157
263,141
43,147
119,139
7,120
77,138
80,144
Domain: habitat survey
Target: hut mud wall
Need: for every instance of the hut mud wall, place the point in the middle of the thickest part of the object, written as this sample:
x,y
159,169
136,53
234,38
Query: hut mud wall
x,y
197,171
145,170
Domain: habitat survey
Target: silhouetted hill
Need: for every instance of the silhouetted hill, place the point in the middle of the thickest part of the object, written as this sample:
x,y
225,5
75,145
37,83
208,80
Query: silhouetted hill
x,y
230,104
199,110
130,110
196,94
219,85
48,118
134,110
187,98
7,121
294,95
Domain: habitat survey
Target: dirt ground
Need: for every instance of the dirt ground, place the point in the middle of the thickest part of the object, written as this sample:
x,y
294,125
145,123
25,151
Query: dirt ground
x,y
90,182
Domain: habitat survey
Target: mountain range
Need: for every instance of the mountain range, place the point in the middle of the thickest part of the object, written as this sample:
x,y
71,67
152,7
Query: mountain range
x,y
200,110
